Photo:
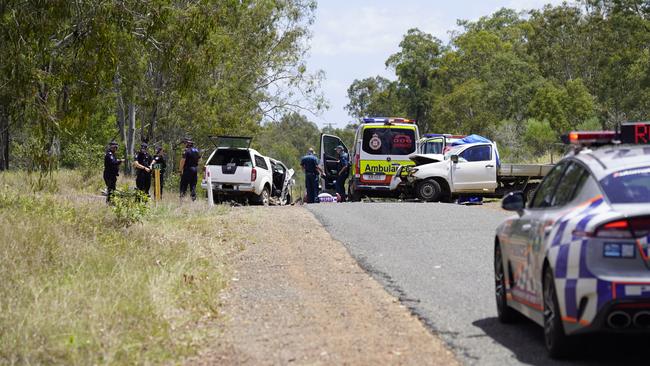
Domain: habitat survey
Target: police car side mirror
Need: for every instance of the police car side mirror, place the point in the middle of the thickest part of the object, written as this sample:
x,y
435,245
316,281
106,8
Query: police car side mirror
x,y
514,201
454,159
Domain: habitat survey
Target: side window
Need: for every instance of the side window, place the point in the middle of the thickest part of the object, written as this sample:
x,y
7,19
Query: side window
x,y
477,153
544,194
572,181
260,162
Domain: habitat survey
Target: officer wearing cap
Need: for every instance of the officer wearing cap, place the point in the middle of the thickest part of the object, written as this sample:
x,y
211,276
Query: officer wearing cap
x,y
142,164
309,164
190,167
111,169
343,168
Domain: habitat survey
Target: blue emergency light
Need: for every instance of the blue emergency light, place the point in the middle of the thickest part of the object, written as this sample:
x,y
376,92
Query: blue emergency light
x,y
387,120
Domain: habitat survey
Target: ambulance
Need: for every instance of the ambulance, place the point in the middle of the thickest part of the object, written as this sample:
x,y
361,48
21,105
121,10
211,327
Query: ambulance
x,y
381,145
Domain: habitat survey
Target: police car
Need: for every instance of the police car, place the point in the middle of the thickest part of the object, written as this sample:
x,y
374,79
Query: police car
x,y
576,259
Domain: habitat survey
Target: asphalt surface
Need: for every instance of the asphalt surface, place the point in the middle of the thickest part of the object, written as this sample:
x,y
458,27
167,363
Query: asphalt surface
x,y
437,259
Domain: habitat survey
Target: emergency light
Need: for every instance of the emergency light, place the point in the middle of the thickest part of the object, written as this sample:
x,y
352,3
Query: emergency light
x,y
629,133
388,120
447,135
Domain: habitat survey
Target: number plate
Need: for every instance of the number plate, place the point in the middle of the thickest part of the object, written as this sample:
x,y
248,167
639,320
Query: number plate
x,y
377,177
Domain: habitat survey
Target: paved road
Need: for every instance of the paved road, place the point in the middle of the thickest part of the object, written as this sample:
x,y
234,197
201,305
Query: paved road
x,y
437,258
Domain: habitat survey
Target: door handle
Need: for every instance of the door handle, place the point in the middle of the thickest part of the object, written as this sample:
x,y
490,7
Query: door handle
x,y
489,166
526,227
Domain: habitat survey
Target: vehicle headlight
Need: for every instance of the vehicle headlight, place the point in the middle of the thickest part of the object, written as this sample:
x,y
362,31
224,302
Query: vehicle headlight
x,y
412,171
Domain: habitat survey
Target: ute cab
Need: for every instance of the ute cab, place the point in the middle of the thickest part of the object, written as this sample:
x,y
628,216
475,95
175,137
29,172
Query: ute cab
x,y
432,146
381,146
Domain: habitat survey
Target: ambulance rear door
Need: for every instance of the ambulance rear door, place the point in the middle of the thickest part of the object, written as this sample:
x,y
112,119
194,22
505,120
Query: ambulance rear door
x,y
328,160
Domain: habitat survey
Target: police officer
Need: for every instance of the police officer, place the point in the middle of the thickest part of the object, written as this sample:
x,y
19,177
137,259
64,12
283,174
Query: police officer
x,y
111,169
142,164
343,167
160,160
309,164
188,178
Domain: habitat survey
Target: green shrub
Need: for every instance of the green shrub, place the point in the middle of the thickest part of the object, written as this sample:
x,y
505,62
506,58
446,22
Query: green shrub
x,y
129,206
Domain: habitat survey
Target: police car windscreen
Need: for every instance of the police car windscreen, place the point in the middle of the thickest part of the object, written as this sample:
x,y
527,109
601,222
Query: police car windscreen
x,y
227,156
388,141
628,186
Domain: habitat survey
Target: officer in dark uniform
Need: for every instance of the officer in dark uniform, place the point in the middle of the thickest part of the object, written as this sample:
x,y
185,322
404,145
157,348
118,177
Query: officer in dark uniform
x,y
142,164
309,164
111,169
160,160
190,167
343,168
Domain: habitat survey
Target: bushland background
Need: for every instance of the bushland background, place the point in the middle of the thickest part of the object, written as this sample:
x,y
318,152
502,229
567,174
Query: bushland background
x,y
75,75
79,287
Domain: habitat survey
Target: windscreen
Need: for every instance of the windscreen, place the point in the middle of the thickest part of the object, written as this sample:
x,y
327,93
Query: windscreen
x,y
628,186
388,141
228,156
433,146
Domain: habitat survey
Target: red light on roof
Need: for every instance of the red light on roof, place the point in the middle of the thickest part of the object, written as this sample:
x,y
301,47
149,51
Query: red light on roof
x,y
591,137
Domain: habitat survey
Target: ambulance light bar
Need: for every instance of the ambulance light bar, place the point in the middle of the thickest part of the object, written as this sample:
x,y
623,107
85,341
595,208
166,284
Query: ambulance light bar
x,y
388,120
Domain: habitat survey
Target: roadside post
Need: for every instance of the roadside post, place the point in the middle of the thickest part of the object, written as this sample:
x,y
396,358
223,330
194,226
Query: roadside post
x,y
156,179
209,184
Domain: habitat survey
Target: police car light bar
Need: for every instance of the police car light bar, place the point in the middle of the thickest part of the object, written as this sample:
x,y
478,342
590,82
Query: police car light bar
x,y
629,133
589,137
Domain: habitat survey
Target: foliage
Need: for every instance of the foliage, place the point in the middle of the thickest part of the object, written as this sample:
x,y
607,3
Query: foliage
x,y
157,70
78,292
130,206
560,67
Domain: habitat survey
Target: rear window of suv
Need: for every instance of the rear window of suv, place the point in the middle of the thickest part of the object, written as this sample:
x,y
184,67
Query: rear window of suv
x,y
388,141
628,186
228,156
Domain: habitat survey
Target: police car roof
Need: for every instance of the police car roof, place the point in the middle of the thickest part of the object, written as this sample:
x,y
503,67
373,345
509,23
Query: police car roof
x,y
608,159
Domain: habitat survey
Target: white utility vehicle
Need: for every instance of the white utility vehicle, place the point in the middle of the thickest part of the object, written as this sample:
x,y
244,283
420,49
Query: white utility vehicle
x,y
470,169
241,173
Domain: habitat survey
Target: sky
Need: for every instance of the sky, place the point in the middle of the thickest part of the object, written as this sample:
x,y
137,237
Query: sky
x,y
351,39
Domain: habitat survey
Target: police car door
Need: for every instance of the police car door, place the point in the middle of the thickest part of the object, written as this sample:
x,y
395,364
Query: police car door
x,y
476,169
529,233
328,159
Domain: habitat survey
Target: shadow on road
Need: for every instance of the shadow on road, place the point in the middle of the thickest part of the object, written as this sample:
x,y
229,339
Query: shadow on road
x,y
526,340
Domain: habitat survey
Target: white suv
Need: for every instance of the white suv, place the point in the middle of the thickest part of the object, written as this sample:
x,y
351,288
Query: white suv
x,y
239,172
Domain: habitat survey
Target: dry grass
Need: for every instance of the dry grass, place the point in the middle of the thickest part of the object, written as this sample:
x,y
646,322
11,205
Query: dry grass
x,y
78,289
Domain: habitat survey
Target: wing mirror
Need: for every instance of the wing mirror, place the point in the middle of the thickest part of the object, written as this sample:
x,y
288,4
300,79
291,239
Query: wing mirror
x,y
454,159
514,201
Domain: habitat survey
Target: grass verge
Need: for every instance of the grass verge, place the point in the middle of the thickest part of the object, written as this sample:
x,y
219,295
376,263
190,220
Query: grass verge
x,y
78,288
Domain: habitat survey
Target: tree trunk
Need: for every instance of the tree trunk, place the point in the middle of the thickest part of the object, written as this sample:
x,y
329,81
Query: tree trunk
x,y
154,119
4,139
130,140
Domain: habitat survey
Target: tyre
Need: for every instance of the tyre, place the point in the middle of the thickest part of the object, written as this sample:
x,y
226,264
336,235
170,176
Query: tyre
x,y
505,313
428,190
353,195
555,340
264,197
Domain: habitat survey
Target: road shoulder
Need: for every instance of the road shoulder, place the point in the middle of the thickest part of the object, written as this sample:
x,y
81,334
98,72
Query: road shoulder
x,y
297,296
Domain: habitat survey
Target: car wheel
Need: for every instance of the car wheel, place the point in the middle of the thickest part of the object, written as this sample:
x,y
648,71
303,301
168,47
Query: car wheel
x,y
428,190
555,339
354,195
264,197
505,313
